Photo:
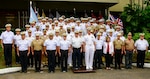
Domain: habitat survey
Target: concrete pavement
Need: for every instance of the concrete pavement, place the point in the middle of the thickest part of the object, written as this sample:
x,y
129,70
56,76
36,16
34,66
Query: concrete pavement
x,y
100,74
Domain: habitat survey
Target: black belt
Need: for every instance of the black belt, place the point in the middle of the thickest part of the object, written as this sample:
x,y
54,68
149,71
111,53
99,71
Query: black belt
x,y
7,44
23,50
63,50
98,49
77,48
37,50
50,50
117,49
129,50
141,50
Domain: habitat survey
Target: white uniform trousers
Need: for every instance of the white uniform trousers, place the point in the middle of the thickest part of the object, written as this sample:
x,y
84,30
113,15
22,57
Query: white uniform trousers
x,y
70,58
89,56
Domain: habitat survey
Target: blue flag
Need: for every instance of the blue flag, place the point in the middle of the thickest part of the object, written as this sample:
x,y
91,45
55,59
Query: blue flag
x,y
57,15
33,16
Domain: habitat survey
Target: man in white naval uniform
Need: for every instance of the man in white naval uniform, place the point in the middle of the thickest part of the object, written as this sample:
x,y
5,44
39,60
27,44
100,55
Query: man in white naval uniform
x,y
58,38
141,46
32,27
23,51
7,43
17,37
30,38
50,48
89,43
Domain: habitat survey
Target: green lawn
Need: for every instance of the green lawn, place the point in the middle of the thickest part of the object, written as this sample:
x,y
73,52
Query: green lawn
x,y
2,62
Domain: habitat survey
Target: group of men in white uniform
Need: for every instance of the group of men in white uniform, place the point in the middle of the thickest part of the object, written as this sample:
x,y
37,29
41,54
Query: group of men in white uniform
x,y
67,38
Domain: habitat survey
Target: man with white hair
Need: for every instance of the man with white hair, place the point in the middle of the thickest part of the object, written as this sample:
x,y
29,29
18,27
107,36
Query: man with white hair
x,y
141,46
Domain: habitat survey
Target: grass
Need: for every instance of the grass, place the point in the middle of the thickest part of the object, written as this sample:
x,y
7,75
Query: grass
x,y
147,57
2,61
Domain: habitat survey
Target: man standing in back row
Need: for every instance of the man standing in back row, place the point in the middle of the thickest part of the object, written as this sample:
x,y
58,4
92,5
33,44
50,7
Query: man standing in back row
x,y
7,43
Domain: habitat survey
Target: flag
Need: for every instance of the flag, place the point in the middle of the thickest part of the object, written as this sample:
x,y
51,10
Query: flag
x,y
33,16
43,14
85,14
119,22
36,12
111,17
100,15
115,19
92,14
57,15
50,14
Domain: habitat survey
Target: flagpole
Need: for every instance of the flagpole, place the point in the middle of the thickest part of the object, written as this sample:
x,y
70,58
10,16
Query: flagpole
x,y
19,19
23,17
26,17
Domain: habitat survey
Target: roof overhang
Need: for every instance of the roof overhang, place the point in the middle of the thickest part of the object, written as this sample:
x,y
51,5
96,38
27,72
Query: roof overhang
x,y
99,1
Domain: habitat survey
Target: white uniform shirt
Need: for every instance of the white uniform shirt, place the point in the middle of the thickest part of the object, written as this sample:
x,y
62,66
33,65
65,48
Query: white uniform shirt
x,y
99,44
72,34
78,28
51,44
115,33
58,38
77,42
103,38
33,29
7,37
23,45
39,32
141,44
89,39
83,27
30,39
107,27
43,26
57,27
69,38
17,38
64,44
39,24
112,38
26,33
72,24
65,26
50,31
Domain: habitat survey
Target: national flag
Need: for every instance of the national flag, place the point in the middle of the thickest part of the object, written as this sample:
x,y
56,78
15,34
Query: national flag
x,y
100,15
92,14
111,17
33,16
50,14
119,22
36,12
57,15
43,14
85,14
